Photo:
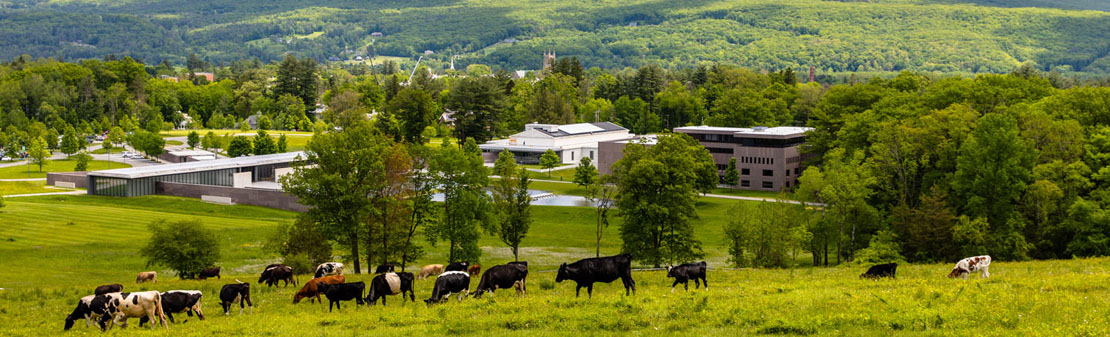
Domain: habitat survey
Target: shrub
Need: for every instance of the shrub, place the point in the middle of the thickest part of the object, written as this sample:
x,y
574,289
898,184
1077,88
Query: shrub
x,y
183,246
301,245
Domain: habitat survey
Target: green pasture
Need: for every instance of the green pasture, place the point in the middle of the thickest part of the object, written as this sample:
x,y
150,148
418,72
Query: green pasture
x,y
233,132
62,165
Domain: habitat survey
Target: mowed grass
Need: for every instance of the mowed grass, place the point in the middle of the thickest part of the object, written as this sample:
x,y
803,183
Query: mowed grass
x,y
233,132
27,187
63,165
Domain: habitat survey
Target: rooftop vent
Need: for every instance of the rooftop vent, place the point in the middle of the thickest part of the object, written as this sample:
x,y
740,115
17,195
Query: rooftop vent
x,y
759,129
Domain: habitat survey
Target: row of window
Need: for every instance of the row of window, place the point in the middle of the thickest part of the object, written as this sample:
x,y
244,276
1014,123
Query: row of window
x,y
749,142
766,173
756,160
763,184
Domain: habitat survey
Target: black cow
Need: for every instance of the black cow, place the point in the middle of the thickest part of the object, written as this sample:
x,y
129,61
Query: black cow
x,y
386,268
236,292
502,277
457,266
390,284
342,292
89,308
209,273
275,273
683,273
178,301
108,288
328,268
598,269
880,270
448,283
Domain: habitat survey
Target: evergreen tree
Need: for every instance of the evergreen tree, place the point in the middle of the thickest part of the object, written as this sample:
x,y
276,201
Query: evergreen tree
x,y
264,144
239,146
732,177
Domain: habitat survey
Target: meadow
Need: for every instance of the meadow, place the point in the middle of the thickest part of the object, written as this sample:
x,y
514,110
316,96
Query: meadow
x,y
27,187
63,165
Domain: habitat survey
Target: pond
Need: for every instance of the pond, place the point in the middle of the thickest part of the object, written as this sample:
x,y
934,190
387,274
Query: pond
x,y
545,198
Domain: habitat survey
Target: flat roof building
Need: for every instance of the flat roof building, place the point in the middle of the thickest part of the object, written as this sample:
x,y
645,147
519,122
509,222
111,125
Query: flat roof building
x,y
768,159
570,141
230,172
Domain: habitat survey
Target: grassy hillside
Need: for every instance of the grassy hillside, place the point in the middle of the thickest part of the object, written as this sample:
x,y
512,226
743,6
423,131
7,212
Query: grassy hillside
x,y
833,36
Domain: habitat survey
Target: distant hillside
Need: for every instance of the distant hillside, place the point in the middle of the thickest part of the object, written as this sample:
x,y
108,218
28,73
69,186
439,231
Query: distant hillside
x,y
834,36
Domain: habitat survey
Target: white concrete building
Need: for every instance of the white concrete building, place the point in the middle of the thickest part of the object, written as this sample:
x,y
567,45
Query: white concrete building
x,y
570,141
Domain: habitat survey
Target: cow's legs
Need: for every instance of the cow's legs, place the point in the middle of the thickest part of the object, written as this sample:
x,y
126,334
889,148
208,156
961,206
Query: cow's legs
x,y
169,316
705,282
590,291
986,273
249,304
196,307
674,285
629,284
227,307
577,291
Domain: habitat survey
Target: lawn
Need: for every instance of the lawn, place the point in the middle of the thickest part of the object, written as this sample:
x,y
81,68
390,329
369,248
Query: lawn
x,y
27,187
221,132
64,165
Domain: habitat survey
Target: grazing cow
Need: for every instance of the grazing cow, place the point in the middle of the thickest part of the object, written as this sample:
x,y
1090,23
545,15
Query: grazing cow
x,y
686,271
178,301
457,266
386,268
880,270
275,273
236,292
474,269
502,277
430,270
90,308
122,306
390,284
328,268
108,288
147,276
311,289
342,292
448,283
971,265
209,273
607,269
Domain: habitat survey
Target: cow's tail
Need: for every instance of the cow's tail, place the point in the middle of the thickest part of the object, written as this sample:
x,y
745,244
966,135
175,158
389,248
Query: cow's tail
x,y
159,312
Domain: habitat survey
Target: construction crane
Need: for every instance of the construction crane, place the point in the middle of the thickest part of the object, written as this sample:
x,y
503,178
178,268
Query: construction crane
x,y
417,66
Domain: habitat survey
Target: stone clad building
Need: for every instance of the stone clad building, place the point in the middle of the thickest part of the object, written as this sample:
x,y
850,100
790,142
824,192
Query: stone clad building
x,y
768,159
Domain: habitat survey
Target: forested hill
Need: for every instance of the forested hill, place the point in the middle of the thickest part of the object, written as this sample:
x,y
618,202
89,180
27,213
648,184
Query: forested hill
x,y
833,36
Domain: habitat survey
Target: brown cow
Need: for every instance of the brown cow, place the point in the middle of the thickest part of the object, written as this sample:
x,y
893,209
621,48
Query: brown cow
x,y
474,269
430,270
309,290
147,276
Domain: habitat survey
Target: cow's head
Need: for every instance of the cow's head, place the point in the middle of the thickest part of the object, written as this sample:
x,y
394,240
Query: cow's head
x,y
562,275
69,322
956,272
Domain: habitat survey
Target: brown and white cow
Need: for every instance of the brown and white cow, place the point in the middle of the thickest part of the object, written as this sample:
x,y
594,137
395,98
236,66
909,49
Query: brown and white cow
x,y
429,270
311,289
971,265
122,306
147,276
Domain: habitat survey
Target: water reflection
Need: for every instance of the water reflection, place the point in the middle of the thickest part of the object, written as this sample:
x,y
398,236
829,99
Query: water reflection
x,y
545,198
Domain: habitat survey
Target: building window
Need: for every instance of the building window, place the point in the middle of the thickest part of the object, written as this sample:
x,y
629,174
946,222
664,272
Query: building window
x,y
572,156
797,170
745,183
745,172
719,150
768,173
768,184
787,184
591,155
788,173
722,167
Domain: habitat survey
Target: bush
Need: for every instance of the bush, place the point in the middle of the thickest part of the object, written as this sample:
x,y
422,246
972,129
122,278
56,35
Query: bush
x,y
82,162
183,246
882,249
301,245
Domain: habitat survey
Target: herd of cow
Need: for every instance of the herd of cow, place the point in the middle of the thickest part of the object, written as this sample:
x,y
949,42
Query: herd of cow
x,y
109,305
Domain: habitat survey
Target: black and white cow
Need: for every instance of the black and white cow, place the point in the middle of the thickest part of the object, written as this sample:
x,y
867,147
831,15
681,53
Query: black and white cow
x,y
207,273
123,306
607,269
457,266
386,268
328,268
342,292
502,277
390,284
451,282
108,288
178,301
880,270
236,292
683,273
89,308
275,273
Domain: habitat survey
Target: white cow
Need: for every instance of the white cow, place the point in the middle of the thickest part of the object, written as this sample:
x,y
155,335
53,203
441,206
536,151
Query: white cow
x,y
971,265
138,304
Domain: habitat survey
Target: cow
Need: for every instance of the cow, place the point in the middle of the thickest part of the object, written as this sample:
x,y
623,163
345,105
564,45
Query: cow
x,y
683,273
178,301
880,270
586,272
390,284
209,273
448,283
275,273
502,277
970,265
429,270
90,308
474,269
311,290
147,276
108,288
339,292
386,268
122,306
457,266
236,292
328,268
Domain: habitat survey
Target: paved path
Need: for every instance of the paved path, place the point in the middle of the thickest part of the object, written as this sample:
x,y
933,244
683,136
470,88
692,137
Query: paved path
x,y
25,179
710,195
77,192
